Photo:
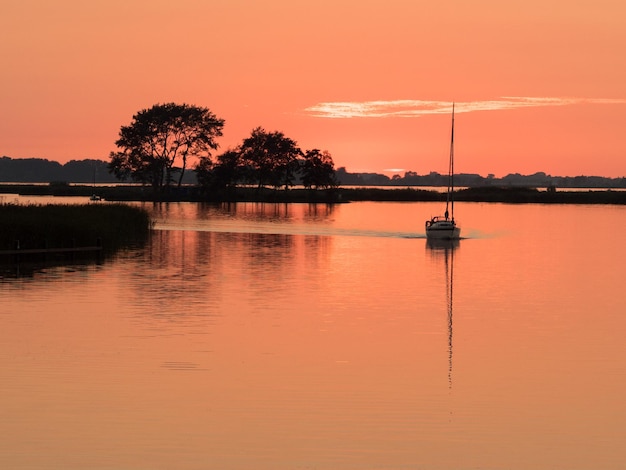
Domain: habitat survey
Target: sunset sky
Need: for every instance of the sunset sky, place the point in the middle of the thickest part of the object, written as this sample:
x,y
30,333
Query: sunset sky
x,y
539,85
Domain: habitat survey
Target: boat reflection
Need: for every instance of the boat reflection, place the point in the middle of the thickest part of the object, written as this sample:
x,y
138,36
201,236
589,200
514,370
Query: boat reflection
x,y
441,245
444,249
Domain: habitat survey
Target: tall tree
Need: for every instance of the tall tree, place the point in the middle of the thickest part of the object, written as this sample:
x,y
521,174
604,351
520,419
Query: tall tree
x,y
161,140
318,170
271,156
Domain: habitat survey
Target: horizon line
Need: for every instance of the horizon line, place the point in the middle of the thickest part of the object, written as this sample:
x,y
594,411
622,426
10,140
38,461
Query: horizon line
x,y
516,173
351,171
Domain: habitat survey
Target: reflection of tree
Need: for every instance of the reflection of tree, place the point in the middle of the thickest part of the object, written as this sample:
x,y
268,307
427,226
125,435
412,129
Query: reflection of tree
x,y
270,211
318,212
27,269
186,276
268,251
174,270
260,211
445,249
180,273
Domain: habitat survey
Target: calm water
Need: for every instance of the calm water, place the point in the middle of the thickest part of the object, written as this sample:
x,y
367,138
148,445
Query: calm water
x,y
267,336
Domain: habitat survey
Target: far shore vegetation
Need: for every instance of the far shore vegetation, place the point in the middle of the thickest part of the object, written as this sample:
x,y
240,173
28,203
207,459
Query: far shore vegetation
x,y
342,194
96,172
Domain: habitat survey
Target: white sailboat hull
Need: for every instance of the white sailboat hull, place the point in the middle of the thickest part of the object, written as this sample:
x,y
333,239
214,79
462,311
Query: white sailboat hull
x,y
442,230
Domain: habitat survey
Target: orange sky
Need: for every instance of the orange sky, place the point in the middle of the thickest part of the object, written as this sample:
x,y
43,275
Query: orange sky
x,y
539,84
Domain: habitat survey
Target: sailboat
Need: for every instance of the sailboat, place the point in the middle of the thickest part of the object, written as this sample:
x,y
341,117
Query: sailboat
x,y
94,197
444,227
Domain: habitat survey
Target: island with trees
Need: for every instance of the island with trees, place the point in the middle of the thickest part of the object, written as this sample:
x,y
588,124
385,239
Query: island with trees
x,y
157,146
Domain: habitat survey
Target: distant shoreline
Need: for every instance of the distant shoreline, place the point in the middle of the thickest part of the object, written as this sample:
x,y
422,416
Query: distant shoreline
x,y
43,171
342,194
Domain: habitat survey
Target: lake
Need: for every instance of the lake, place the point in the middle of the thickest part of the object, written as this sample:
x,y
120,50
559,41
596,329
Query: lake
x,y
294,336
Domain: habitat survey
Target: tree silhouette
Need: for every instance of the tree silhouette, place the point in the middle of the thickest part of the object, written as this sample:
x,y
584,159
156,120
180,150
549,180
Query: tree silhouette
x,y
318,170
159,142
271,157
226,172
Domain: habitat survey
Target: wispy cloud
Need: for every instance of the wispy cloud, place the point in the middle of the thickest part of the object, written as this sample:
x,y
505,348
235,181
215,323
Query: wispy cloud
x,y
417,108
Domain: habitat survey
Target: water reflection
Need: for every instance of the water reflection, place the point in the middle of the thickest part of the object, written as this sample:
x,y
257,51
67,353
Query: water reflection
x,y
268,346
263,211
31,271
185,275
29,266
247,217
177,282
445,249
259,211
250,211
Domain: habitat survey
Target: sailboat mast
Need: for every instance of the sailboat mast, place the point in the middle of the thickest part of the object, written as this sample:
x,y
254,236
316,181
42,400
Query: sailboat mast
x,y
449,199
452,163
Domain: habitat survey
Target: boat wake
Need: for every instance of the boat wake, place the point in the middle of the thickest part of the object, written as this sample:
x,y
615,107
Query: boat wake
x,y
282,229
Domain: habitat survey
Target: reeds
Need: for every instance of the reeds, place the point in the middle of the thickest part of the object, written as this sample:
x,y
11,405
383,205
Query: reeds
x,y
65,225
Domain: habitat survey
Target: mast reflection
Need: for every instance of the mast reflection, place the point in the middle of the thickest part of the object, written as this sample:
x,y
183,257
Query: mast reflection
x,y
445,249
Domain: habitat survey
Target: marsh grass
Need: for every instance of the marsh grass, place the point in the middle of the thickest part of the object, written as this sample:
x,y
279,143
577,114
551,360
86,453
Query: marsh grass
x,y
63,226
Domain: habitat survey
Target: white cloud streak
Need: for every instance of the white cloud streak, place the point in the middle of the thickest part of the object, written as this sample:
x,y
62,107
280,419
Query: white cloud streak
x,y
418,108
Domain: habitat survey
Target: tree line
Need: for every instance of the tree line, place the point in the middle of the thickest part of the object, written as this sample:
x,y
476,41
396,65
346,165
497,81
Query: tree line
x,y
41,170
160,143
88,171
536,180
